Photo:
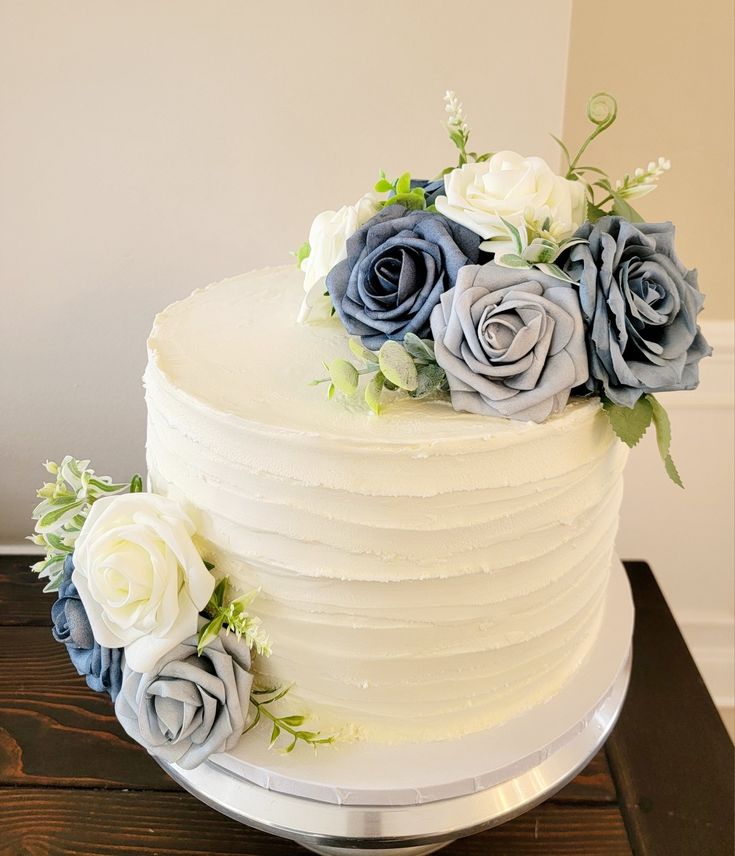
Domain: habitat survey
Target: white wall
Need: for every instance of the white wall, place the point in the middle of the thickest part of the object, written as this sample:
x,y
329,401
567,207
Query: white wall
x,y
149,148
687,535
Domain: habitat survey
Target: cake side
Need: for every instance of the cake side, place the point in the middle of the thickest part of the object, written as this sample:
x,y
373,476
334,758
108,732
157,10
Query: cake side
x,y
421,578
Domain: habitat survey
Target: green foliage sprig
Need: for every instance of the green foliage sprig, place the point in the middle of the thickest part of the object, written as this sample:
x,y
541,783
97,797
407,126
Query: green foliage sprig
x,y
412,198
410,367
283,725
631,423
64,507
602,111
541,252
233,617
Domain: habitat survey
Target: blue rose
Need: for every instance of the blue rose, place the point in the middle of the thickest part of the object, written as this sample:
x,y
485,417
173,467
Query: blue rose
x,y
189,706
102,667
397,267
640,304
510,341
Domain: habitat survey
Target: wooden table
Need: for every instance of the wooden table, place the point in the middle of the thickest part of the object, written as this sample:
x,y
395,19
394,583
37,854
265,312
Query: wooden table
x,y
71,782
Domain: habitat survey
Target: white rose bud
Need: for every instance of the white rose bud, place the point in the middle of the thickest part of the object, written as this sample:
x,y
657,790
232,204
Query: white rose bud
x,y
328,237
139,575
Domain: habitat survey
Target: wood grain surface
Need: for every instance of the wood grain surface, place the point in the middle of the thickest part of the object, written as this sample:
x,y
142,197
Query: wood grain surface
x,y
72,783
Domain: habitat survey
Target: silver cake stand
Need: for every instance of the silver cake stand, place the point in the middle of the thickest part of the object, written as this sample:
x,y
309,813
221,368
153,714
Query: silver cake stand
x,y
414,799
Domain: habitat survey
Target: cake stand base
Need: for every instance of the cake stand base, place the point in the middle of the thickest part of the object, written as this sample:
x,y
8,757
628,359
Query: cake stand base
x,y
492,777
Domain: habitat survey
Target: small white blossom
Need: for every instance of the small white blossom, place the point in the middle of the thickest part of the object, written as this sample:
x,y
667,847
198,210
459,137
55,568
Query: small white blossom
x,y
642,181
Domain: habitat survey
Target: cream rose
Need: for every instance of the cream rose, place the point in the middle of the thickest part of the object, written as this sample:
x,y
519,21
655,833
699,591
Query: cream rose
x,y
139,575
328,237
523,191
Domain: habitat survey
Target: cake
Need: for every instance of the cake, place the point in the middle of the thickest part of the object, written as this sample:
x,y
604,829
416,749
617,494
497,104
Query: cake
x,y
424,553
423,574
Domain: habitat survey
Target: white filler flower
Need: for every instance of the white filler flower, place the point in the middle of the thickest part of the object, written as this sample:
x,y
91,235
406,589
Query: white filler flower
x,y
139,575
523,191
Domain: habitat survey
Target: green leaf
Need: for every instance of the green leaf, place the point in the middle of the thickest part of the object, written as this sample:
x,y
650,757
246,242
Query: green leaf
x,y
136,484
255,721
397,366
330,391
58,516
293,720
511,260
594,213
431,377
555,271
629,423
515,235
383,185
623,209
419,349
362,353
208,565
663,438
563,147
403,184
274,735
218,595
303,252
373,391
344,376
209,633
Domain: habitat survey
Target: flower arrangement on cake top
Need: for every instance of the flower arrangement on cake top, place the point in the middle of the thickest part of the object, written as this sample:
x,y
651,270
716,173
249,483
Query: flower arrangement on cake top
x,y
509,288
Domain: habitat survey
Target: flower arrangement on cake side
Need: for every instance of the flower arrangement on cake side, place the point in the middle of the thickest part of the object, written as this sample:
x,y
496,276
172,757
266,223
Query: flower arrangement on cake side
x,y
144,619
509,288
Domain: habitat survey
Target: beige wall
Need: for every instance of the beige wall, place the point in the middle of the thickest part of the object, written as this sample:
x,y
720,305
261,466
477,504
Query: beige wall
x,y
149,148
670,65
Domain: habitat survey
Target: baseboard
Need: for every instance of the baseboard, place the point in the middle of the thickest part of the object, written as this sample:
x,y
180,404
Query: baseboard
x,y
711,639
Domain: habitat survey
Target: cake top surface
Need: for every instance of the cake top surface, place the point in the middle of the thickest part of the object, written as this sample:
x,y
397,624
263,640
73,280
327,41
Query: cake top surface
x,y
237,348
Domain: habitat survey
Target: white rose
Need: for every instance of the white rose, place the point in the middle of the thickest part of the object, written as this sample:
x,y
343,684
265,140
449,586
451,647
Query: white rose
x,y
328,237
139,575
523,191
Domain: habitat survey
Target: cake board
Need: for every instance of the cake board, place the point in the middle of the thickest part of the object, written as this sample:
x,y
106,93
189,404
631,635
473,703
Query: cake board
x,y
413,799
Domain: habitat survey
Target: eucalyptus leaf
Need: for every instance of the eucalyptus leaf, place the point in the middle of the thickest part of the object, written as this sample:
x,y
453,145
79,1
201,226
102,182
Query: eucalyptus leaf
x,y
373,392
419,349
344,376
397,366
362,353
431,378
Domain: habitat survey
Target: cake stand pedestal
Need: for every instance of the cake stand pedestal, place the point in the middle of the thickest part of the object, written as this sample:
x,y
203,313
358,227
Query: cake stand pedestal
x,y
413,799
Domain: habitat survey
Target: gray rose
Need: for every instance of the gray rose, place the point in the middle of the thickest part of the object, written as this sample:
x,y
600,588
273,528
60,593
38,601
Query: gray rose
x,y
641,306
188,707
397,266
511,342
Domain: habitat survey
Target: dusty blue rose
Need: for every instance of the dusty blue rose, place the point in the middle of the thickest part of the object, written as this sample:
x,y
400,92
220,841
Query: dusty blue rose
x,y
188,707
510,341
398,265
102,667
641,306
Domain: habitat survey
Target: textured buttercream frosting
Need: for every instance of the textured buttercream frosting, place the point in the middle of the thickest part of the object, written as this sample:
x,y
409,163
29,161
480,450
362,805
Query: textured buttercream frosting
x,y
423,574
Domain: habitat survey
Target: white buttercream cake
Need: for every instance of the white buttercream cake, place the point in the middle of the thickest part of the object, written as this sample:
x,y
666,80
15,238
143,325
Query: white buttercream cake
x,y
424,574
